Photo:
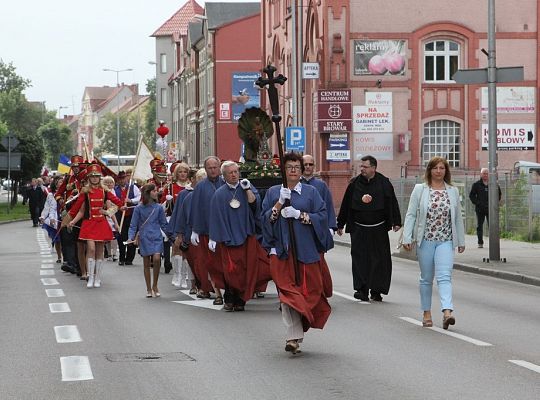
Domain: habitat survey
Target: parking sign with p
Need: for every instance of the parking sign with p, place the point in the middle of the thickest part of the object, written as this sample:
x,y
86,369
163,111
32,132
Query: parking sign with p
x,y
295,138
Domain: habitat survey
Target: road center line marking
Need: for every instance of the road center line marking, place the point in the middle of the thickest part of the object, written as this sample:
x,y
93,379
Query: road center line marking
x,y
67,334
55,293
526,364
75,368
346,296
46,272
448,333
59,307
49,281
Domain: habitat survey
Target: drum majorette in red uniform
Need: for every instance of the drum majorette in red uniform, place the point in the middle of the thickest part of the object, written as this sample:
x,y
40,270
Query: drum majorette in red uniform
x,y
95,229
179,181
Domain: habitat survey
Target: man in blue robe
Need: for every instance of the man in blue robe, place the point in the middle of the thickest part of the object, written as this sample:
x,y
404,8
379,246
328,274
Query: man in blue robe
x,y
233,213
200,206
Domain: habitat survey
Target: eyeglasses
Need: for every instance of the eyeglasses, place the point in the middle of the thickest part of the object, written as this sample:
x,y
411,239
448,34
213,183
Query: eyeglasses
x,y
292,167
308,164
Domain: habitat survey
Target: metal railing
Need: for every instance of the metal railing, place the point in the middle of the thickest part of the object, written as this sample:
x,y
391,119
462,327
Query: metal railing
x,y
519,211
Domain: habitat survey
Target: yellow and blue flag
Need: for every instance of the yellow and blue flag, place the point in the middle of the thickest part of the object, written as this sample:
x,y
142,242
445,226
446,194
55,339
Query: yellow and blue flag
x,y
63,164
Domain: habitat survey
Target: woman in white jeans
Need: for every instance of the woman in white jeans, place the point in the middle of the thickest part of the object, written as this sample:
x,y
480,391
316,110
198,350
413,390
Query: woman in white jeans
x,y
435,223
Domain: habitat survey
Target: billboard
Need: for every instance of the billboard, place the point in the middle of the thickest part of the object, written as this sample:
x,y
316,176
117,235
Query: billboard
x,y
378,145
368,119
379,57
511,100
511,136
244,93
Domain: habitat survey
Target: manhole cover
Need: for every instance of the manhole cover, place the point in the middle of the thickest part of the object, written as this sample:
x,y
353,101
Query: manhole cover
x,y
148,357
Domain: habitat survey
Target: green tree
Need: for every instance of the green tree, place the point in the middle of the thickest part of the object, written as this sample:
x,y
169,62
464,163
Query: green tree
x,y
22,119
107,134
57,140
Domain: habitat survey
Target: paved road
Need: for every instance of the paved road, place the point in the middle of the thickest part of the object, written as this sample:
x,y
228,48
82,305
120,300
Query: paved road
x,y
366,351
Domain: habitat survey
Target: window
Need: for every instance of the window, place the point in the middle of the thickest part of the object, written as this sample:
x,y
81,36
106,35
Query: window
x,y
442,138
163,63
163,98
441,60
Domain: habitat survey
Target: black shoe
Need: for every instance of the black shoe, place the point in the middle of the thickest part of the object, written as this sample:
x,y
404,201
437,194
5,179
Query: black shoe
x,y
128,263
376,296
120,262
67,268
360,295
78,272
168,267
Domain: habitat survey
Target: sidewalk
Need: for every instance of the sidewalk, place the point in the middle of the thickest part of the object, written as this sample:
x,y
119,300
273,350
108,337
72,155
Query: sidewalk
x,y
522,259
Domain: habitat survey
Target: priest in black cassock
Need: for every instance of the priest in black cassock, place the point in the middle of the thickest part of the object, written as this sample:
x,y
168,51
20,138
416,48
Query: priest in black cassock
x,y
368,211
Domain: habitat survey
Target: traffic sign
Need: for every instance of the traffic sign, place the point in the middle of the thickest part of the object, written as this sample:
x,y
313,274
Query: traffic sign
x,y
10,141
295,138
480,76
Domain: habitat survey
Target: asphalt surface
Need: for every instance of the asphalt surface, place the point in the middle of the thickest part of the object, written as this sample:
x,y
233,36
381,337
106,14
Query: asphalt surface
x,y
367,350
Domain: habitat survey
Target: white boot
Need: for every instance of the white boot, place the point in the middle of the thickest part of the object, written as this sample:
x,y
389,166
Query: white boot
x,y
91,265
99,273
176,281
187,273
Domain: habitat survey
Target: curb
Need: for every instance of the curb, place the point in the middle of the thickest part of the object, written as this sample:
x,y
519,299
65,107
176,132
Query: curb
x,y
509,276
14,220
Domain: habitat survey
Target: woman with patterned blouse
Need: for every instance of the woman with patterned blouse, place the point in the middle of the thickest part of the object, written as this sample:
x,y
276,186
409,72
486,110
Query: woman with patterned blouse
x,y
435,224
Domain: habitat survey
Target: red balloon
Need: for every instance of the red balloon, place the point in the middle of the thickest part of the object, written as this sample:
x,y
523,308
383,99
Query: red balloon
x,y
162,130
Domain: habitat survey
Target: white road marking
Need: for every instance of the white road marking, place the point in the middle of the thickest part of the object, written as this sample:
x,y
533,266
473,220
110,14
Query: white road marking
x,y
203,303
49,281
59,307
46,272
55,293
44,266
346,296
526,364
75,368
46,256
67,334
448,333
43,253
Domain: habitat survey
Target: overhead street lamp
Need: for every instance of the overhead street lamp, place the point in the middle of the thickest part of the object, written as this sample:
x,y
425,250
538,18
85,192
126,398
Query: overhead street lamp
x,y
59,111
117,109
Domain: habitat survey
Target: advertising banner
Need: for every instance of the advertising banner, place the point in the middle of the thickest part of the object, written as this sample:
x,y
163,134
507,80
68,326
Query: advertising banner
x,y
378,145
244,93
511,100
334,110
379,57
372,119
511,136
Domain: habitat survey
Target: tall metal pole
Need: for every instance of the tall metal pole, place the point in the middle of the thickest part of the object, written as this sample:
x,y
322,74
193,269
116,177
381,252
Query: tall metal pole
x,y
10,184
494,245
294,64
117,110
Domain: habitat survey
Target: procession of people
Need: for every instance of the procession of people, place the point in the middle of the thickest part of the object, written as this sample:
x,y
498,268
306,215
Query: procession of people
x,y
225,241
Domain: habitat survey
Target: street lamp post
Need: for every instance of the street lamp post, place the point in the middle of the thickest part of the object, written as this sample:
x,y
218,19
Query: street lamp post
x,y
60,111
117,109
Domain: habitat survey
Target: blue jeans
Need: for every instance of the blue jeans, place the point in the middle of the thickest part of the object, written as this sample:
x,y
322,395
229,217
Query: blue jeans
x,y
436,259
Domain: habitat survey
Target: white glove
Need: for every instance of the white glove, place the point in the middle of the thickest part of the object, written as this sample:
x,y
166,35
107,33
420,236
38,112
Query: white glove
x,y
284,194
273,252
168,197
212,245
245,184
194,238
290,212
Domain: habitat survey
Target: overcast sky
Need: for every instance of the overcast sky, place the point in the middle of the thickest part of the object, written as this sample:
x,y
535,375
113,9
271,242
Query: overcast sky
x,y
63,45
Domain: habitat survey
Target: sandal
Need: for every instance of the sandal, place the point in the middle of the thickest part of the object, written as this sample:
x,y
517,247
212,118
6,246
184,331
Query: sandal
x,y
218,301
427,323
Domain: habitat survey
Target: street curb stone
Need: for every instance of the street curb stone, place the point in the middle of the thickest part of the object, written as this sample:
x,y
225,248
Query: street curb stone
x,y
509,276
